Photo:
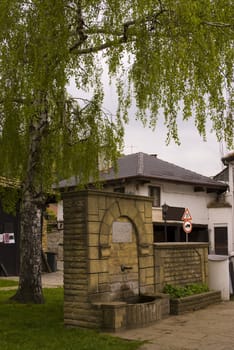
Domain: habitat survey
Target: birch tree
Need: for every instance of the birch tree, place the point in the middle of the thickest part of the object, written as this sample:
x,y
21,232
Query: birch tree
x,y
168,56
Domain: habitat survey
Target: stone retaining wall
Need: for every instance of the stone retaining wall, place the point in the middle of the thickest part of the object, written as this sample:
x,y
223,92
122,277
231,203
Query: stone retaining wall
x,y
179,264
194,302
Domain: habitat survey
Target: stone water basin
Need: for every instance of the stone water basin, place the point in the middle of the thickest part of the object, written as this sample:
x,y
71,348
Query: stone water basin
x,y
134,312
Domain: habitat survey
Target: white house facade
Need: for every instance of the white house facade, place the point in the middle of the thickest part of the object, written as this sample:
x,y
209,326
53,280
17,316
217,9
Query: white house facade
x,y
221,215
172,188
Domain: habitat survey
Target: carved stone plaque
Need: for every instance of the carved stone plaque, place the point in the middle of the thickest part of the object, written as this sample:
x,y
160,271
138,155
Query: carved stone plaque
x,y
122,232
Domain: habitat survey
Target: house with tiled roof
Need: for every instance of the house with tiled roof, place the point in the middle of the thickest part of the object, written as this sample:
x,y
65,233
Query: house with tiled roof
x,y
222,212
173,189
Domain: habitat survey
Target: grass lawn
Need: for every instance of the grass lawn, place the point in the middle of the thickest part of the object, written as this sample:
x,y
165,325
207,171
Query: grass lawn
x,y
35,327
7,283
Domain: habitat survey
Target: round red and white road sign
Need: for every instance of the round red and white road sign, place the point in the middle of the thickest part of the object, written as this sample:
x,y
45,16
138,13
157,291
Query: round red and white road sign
x,y
187,226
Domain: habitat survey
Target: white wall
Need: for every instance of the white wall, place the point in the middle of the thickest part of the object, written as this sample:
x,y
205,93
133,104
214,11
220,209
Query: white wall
x,y
231,199
60,211
180,195
183,195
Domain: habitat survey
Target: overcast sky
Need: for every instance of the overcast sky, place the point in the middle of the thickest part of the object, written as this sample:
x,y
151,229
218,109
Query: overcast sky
x,y
193,153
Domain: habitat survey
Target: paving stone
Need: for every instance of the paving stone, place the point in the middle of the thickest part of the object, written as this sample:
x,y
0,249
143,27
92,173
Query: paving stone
x,y
207,329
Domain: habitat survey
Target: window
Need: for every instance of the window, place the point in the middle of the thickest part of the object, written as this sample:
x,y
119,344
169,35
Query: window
x,y
119,189
221,240
155,193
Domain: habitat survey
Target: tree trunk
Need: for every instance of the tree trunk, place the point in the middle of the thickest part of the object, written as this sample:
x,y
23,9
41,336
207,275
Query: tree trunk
x,y
33,200
30,285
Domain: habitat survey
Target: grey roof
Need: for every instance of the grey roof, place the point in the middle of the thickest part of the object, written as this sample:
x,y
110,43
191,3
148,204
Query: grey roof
x,y
222,175
229,157
142,165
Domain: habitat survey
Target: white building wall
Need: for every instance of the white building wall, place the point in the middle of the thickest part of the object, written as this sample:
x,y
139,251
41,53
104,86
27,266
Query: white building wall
x,y
179,195
230,199
60,211
220,217
231,186
183,195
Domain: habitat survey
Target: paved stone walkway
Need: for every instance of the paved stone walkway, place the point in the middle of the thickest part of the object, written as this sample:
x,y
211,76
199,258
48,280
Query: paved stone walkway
x,y
207,329
49,280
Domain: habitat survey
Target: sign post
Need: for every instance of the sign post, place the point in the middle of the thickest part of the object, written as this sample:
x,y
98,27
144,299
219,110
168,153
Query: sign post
x,y
187,222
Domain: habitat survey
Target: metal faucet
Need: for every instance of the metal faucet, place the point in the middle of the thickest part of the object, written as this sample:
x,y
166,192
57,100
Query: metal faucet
x,y
124,267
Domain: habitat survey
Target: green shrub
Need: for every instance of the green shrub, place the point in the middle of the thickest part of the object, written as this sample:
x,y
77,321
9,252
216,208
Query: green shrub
x,y
180,292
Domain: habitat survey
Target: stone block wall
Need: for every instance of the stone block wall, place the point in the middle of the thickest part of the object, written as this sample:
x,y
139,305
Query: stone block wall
x,y
120,315
94,251
179,264
93,259
55,242
194,302
77,307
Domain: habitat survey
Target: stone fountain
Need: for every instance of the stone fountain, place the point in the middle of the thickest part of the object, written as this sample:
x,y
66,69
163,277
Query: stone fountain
x,y
109,272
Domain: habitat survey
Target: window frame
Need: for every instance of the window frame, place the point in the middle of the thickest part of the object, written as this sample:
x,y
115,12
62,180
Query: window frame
x,y
156,198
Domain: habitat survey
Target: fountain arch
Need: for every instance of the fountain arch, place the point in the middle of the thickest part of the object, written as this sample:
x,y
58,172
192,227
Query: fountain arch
x,y
124,249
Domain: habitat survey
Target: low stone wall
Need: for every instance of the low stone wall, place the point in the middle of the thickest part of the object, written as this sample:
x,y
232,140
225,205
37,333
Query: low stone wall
x,y
194,302
179,264
119,315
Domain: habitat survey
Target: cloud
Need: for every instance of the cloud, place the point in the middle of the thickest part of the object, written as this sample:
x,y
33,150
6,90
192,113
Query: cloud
x,y
193,153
